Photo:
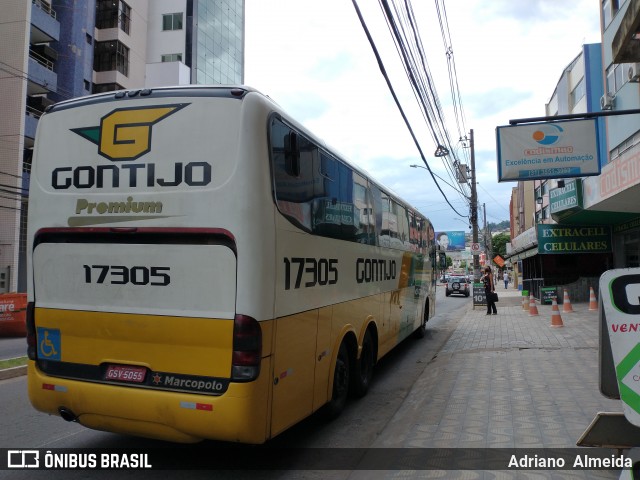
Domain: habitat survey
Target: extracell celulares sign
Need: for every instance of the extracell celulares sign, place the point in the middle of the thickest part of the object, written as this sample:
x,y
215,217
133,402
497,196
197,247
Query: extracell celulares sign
x,y
553,239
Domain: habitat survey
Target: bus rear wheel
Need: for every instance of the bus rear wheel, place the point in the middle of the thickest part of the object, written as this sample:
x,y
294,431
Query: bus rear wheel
x,y
341,377
421,331
364,367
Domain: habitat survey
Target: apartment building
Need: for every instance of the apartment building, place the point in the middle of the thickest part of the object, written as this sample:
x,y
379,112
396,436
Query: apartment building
x,y
60,49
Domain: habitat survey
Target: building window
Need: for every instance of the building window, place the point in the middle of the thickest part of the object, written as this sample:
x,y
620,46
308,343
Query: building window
x,y
172,21
89,39
578,92
172,57
87,85
617,77
111,55
609,10
112,14
125,17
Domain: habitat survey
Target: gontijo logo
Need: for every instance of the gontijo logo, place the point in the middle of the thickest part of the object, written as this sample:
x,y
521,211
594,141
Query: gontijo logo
x,y
547,134
125,133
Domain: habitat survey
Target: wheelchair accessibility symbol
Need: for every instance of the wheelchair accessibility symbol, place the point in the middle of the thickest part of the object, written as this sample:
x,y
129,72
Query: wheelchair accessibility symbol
x,y
49,345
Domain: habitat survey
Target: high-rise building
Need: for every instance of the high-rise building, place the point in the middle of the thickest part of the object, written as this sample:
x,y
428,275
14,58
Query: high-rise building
x,y
60,49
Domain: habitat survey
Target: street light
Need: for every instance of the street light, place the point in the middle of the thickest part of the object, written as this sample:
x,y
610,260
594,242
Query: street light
x,y
434,174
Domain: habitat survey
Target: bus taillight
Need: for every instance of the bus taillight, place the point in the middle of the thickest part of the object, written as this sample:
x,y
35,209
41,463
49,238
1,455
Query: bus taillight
x,y
32,342
247,349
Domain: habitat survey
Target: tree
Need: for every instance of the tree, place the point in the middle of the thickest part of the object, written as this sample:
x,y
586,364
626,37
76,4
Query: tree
x,y
499,243
494,227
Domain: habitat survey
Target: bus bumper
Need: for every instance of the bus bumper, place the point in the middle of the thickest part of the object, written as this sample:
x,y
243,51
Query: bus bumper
x,y
240,415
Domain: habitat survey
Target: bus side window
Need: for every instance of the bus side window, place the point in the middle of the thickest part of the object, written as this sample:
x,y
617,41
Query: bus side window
x,y
363,210
291,154
376,201
292,169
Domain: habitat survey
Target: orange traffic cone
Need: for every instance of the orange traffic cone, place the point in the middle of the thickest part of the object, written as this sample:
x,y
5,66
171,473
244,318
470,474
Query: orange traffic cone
x,y
593,303
533,310
525,303
566,303
556,319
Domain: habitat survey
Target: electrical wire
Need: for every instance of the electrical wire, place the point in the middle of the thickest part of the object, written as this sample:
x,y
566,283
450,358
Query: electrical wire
x,y
395,97
403,28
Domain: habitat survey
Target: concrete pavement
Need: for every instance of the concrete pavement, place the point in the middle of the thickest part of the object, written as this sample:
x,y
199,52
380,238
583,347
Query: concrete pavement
x,y
507,381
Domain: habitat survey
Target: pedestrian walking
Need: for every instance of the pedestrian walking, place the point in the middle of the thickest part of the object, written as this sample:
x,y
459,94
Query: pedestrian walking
x,y
490,291
506,279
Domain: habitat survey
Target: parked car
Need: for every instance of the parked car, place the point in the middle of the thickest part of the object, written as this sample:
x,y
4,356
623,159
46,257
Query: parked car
x,y
458,284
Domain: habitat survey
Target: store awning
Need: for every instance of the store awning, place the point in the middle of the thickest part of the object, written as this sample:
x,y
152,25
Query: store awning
x,y
523,254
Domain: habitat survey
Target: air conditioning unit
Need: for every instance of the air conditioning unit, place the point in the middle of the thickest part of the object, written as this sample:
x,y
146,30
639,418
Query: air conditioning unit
x,y
633,72
606,101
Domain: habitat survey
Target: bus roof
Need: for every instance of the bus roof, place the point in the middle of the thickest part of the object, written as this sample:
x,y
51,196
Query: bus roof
x,y
218,91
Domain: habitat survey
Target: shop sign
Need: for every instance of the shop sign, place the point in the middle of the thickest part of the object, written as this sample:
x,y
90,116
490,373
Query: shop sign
x,y
626,226
479,295
548,150
554,239
548,294
567,200
620,294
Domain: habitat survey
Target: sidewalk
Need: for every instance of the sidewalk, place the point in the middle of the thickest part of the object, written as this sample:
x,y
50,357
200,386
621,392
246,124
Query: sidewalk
x,y
505,381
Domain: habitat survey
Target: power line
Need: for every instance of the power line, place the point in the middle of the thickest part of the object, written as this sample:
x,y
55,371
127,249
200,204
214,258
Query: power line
x,y
403,28
395,97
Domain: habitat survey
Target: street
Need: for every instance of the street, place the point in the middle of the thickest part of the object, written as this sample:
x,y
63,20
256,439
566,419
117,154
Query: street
x,y
12,347
363,422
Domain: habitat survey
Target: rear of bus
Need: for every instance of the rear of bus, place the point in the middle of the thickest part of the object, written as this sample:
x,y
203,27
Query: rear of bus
x,y
144,208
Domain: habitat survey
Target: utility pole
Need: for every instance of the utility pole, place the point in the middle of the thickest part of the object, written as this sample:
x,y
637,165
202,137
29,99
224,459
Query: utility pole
x,y
485,236
474,208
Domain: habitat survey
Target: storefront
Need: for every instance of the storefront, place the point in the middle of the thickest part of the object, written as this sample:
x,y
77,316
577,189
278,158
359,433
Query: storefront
x,y
626,244
572,256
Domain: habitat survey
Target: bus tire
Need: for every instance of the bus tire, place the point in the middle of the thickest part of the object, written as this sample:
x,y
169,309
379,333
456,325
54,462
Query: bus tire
x,y
341,376
421,331
364,367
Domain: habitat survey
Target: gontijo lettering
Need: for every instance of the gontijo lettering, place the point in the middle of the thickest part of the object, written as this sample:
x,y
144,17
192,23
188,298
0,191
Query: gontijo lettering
x,y
134,175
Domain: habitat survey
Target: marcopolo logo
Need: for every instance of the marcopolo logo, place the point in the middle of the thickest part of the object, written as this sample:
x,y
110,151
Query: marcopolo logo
x,y
125,134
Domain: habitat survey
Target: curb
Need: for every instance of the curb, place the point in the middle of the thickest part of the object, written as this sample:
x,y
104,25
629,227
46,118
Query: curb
x,y
13,372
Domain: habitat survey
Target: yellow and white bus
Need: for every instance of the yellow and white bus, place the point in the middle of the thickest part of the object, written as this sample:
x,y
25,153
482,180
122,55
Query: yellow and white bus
x,y
203,267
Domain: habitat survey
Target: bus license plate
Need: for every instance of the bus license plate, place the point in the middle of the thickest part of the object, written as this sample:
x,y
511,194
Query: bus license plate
x,y
125,373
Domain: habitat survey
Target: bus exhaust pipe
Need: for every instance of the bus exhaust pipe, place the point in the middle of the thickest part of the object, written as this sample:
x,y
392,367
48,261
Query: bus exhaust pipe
x,y
67,414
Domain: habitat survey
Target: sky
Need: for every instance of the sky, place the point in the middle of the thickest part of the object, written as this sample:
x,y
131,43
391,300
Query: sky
x,y
313,58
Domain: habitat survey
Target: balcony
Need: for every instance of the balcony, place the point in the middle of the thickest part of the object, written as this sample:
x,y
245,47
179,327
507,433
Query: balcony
x,y
36,106
42,78
44,25
30,125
